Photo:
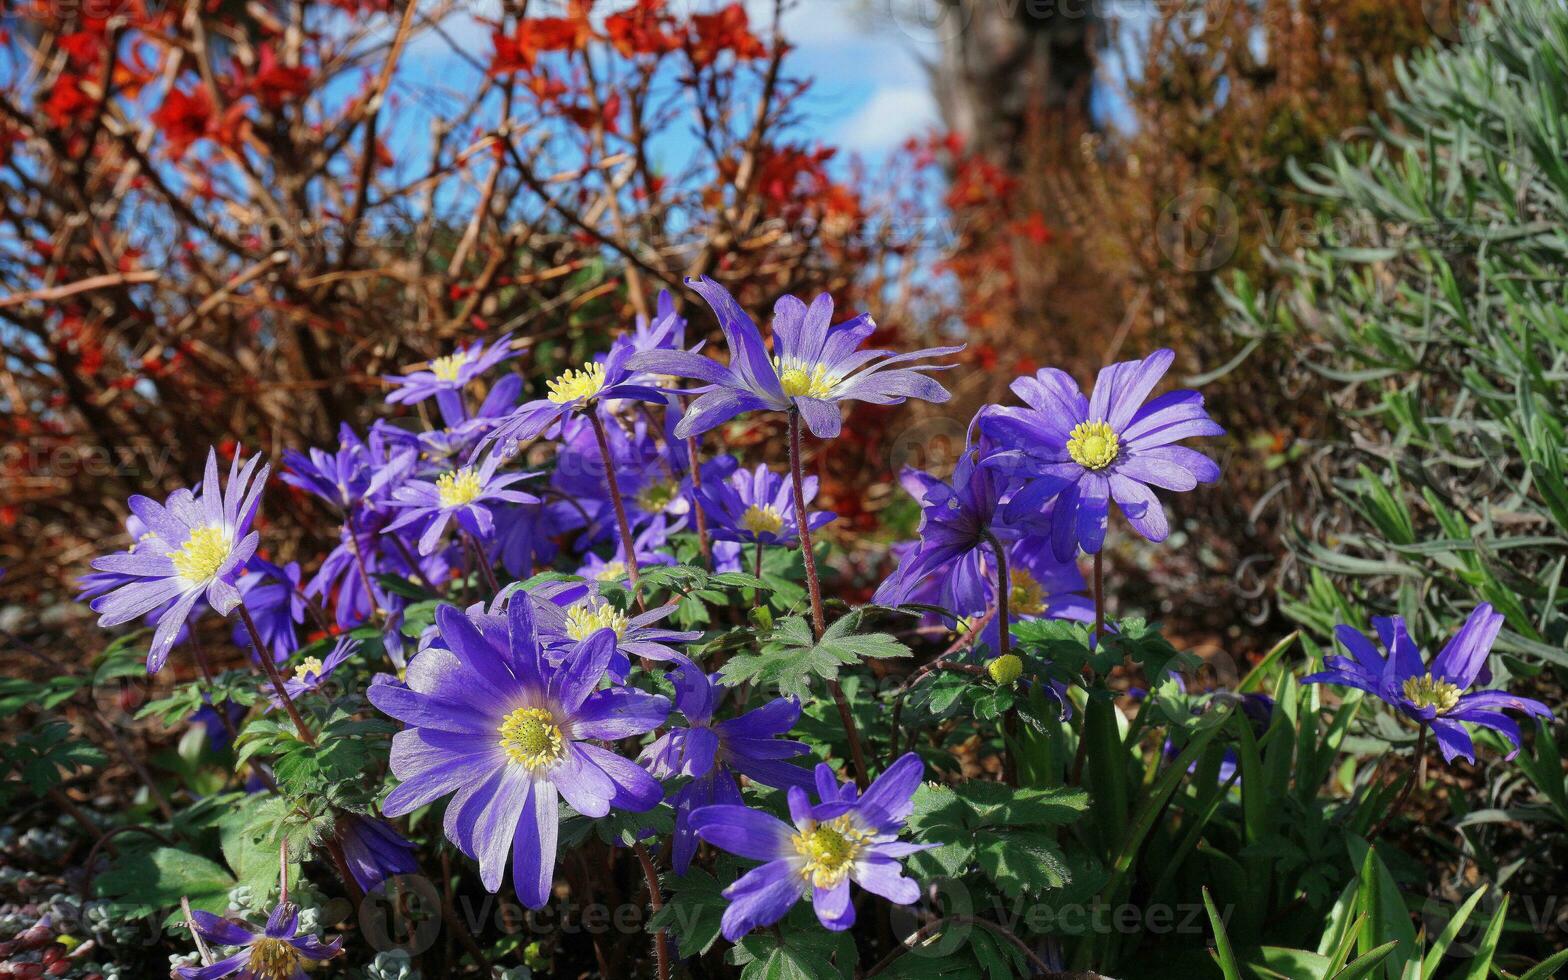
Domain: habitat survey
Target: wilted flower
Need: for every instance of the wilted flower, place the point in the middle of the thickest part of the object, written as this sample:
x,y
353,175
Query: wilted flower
x,y
1432,694
813,366
277,952
958,522
373,850
838,840
711,752
1084,452
194,547
504,730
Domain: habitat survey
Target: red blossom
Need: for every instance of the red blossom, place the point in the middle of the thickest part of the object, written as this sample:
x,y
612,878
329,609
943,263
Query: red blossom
x,y
726,30
641,29
276,84
184,119
68,102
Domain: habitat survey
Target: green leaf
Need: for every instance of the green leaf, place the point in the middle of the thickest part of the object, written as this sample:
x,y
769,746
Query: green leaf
x,y
1022,861
693,913
1222,951
789,658
1480,966
1547,968
155,879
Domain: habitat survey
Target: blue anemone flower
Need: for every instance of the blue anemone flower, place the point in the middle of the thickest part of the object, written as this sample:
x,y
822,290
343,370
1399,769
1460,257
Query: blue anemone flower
x,y
833,842
507,732
712,752
1082,453
1434,694
812,368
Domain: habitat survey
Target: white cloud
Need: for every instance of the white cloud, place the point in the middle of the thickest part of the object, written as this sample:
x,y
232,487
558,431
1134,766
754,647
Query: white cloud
x,y
889,116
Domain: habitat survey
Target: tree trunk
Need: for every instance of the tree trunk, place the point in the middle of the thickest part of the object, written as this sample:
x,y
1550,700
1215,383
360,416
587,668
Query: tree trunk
x,y
1007,66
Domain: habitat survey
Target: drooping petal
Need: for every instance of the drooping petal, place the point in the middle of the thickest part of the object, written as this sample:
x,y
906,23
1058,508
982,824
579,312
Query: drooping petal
x,y
834,909
1453,740
761,897
533,849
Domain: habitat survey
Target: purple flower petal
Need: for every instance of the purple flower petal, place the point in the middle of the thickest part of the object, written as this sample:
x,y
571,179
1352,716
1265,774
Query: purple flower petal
x,y
761,897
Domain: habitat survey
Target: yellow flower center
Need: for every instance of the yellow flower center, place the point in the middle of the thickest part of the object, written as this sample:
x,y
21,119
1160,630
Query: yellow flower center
x,y
656,496
584,620
615,571
829,849
577,384
272,959
762,520
310,666
1427,691
1093,445
203,553
446,368
802,380
458,487
531,738
1027,596
1005,669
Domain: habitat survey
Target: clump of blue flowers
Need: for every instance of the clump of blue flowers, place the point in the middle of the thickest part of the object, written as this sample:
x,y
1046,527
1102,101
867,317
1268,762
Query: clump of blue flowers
x,y
567,637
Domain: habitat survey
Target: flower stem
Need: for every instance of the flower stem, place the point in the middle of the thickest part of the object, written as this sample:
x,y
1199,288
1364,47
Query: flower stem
x,y
271,668
1099,595
814,586
1004,588
656,900
1404,794
756,598
797,479
483,562
696,507
628,546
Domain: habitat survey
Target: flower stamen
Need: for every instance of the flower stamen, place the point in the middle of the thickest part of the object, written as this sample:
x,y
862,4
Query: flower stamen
x,y
447,368
830,850
531,738
1027,596
584,620
762,519
1093,445
1427,691
458,487
272,959
802,380
203,553
309,667
574,385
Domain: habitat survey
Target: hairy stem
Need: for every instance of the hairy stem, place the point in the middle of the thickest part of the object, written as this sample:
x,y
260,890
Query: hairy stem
x,y
656,900
271,668
628,546
1004,588
1404,794
814,586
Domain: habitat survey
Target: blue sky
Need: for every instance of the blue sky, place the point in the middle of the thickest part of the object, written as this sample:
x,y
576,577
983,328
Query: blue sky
x,y
870,87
